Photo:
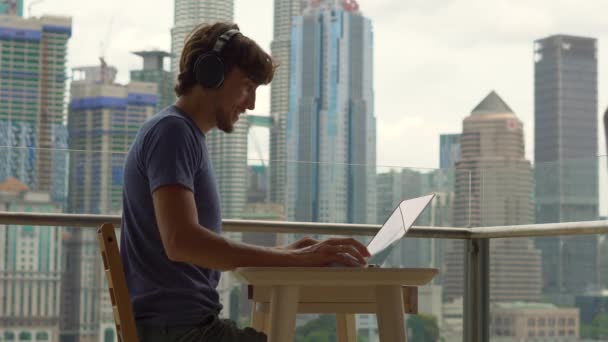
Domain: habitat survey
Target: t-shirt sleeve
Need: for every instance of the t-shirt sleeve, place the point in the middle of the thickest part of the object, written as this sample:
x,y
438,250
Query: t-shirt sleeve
x,y
170,154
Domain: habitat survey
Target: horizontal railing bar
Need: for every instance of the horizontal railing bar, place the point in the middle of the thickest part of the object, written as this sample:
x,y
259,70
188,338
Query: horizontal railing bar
x,y
544,229
90,220
532,230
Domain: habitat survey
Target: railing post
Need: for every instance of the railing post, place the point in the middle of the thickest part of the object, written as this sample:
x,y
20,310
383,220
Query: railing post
x,y
476,320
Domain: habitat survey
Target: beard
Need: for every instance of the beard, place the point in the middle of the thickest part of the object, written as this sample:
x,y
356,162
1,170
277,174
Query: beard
x,y
224,121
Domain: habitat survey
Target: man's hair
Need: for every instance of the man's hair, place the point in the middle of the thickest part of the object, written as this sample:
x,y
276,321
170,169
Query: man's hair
x,y
240,52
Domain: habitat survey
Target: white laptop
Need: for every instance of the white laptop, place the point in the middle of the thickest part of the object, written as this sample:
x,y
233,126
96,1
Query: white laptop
x,y
395,227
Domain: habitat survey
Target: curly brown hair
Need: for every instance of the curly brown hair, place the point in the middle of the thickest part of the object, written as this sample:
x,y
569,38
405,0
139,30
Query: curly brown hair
x,y
240,51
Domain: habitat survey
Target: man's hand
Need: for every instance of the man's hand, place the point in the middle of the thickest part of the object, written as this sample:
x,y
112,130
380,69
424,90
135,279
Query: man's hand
x,y
348,251
303,242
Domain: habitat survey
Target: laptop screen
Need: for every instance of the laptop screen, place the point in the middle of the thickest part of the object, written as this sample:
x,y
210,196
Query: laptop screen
x,y
396,226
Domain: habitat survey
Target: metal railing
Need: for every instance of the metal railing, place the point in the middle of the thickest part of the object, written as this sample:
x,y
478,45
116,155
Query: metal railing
x,y
477,265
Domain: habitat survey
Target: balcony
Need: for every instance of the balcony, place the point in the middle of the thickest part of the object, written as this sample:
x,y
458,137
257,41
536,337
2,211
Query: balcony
x,y
503,276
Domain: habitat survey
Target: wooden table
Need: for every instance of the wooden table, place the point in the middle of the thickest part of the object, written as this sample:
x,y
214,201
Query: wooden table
x,y
279,293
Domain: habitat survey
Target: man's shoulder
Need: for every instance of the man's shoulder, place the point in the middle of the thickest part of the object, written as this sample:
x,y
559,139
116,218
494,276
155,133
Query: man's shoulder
x,y
169,122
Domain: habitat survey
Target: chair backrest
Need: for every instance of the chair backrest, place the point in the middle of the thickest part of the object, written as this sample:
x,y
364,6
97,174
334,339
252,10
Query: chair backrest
x,y
117,285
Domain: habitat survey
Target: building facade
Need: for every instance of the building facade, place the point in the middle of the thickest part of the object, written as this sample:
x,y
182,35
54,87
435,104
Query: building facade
x,y
32,101
280,49
331,127
153,71
30,268
494,188
566,162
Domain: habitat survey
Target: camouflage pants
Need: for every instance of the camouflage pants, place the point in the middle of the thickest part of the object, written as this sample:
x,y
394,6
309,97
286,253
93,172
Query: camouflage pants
x,y
212,329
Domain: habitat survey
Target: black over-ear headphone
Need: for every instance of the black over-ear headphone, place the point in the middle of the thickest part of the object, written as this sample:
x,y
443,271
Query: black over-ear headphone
x,y
209,67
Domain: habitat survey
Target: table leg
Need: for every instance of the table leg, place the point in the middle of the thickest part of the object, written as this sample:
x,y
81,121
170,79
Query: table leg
x,y
389,310
283,309
346,327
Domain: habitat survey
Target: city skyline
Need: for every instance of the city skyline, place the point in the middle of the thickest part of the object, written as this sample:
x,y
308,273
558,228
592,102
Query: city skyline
x,y
456,64
343,121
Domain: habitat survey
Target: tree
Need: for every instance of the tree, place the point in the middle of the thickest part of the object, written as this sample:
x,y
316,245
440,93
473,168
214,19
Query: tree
x,y
598,329
320,329
423,328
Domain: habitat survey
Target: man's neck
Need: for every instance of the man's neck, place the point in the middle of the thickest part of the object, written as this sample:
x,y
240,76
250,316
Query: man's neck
x,y
199,108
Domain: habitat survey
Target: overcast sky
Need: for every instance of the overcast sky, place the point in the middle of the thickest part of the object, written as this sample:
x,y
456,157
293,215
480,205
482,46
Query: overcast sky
x,y
434,59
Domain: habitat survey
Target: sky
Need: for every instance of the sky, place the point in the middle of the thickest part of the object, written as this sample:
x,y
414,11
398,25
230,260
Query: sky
x,y
434,60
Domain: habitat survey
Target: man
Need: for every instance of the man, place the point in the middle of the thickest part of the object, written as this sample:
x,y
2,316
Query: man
x,y
171,245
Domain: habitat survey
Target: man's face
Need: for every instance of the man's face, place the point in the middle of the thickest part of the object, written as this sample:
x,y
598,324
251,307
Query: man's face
x,y
235,96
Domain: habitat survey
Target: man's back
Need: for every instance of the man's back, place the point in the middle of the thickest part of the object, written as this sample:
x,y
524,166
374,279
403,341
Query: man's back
x,y
169,149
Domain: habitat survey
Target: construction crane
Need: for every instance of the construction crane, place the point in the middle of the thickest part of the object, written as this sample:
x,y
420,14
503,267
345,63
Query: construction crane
x,y
103,47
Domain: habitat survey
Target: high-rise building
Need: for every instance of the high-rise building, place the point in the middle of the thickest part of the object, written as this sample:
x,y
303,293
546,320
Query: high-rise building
x,y
280,49
493,188
566,163
449,150
32,101
190,13
103,120
30,268
257,184
11,7
228,154
331,128
153,71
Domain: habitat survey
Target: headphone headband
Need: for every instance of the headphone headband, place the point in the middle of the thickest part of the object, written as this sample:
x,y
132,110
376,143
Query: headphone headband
x,y
224,39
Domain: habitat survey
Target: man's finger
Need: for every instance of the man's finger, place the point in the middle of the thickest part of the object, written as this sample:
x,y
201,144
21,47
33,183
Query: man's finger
x,y
350,241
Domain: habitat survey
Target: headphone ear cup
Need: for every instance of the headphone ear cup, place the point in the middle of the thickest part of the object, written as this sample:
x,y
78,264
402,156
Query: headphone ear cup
x,y
209,70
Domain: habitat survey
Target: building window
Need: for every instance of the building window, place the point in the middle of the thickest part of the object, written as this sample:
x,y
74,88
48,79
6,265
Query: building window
x,y
42,336
571,321
530,333
551,322
531,322
562,333
570,332
541,322
562,322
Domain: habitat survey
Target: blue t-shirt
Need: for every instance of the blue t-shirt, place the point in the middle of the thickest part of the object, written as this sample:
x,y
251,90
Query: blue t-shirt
x,y
169,149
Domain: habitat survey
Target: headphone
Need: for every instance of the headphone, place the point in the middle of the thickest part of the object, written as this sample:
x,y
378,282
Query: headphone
x,y
209,67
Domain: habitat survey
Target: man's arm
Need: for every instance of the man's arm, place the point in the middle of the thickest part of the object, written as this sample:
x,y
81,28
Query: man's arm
x,y
186,241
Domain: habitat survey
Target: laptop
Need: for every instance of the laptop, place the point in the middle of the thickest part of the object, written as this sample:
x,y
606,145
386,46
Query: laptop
x,y
395,227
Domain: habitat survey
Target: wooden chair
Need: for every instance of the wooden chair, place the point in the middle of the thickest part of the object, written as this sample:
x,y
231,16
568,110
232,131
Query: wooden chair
x,y
117,285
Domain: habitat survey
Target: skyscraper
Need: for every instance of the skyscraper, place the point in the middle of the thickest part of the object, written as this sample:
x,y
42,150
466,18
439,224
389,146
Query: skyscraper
x,y
153,71
280,49
493,188
331,128
190,13
566,170
30,268
103,120
449,150
32,101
